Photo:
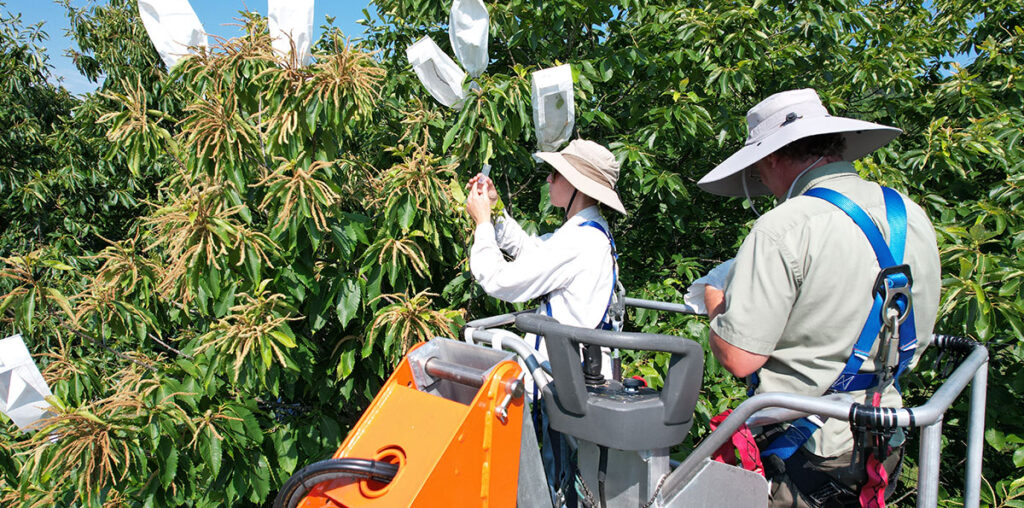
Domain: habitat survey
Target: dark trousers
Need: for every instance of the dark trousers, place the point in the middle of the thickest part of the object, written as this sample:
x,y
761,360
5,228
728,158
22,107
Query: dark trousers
x,y
808,481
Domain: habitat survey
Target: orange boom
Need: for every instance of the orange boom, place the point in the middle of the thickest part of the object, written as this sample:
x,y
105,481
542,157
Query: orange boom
x,y
450,423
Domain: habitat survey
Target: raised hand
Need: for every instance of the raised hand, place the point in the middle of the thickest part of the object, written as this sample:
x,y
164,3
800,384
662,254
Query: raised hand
x,y
484,183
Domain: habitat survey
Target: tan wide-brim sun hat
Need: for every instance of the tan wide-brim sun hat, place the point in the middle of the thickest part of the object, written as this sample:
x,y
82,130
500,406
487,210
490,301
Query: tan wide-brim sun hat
x,y
780,120
590,168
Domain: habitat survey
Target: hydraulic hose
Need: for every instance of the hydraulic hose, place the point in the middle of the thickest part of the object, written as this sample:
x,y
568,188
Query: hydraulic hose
x,y
308,477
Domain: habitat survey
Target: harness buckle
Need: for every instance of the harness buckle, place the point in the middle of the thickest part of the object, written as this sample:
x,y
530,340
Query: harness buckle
x,y
893,285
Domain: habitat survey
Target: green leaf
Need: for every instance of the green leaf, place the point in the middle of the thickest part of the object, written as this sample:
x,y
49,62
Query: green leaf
x,y
406,213
449,137
330,432
7,301
29,307
1018,457
211,451
202,296
266,354
56,265
347,362
348,301
287,451
169,464
226,301
252,426
995,439
1010,287
606,70
260,480
61,300
283,338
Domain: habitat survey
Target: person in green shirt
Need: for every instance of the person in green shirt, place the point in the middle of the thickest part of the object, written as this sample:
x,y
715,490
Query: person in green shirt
x,y
800,291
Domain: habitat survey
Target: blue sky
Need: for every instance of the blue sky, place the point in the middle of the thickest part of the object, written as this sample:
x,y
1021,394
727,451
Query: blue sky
x,y
215,15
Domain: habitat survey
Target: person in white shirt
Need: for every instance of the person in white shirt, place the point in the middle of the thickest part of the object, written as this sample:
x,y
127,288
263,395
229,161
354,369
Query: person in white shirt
x,y
573,269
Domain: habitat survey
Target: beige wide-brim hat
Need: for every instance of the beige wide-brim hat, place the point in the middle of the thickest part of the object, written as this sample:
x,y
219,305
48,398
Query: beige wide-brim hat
x,y
590,168
780,120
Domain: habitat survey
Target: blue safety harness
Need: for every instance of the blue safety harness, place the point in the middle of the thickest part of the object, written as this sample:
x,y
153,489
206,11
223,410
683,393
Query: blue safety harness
x,y
606,323
892,289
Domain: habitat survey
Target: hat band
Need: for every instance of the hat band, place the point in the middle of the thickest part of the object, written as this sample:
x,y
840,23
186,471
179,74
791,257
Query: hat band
x,y
784,116
588,170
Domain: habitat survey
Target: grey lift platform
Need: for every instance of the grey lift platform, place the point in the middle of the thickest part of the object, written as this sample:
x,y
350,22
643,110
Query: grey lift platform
x,y
635,427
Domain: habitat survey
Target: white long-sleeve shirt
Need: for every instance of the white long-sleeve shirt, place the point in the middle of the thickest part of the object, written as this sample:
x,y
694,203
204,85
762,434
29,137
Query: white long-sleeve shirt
x,y
573,266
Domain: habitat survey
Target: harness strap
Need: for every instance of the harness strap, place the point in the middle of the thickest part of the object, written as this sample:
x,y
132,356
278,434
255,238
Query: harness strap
x,y
558,460
888,256
793,438
605,324
872,493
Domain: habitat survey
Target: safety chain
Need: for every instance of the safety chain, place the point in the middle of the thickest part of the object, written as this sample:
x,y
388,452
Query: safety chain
x,y
590,501
657,490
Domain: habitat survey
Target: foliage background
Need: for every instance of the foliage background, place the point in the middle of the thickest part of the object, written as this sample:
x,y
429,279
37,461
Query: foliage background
x,y
216,267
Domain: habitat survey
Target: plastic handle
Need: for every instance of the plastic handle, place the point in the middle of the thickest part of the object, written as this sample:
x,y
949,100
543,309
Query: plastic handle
x,y
686,368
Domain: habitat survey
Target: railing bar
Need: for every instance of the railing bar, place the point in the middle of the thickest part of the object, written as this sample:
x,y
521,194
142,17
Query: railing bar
x,y
928,466
656,305
930,413
975,438
455,372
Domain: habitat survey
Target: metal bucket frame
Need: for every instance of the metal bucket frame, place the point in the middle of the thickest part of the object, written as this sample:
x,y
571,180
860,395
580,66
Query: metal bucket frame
x,y
929,417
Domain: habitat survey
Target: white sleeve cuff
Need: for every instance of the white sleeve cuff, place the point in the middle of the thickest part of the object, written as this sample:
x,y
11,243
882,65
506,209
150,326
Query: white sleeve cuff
x,y
484,232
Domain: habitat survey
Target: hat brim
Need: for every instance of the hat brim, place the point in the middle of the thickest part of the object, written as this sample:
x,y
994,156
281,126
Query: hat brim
x,y
862,138
581,183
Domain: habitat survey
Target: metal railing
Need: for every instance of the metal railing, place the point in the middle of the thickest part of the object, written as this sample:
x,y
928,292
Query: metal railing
x,y
973,369
929,417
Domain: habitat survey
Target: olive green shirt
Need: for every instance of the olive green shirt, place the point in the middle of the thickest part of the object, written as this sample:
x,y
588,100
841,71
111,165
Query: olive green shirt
x,y
800,291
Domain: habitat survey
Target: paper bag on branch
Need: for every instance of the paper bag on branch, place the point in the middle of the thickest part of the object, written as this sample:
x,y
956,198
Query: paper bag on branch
x,y
438,72
23,390
173,27
468,29
291,21
554,112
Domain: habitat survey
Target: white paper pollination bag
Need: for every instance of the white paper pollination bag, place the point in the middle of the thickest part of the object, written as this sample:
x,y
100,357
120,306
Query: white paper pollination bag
x,y
554,112
468,30
291,21
173,27
437,71
23,390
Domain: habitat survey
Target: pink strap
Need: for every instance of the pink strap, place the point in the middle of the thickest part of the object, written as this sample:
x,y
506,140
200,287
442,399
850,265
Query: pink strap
x,y
742,444
872,494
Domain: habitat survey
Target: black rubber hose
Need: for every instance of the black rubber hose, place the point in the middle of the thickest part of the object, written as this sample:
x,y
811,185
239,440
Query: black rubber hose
x,y
954,343
308,477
